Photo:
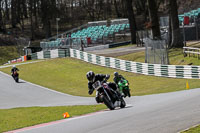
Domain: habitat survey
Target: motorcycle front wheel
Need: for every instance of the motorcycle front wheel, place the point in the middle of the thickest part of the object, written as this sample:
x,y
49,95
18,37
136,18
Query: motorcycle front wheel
x,y
16,79
108,103
126,91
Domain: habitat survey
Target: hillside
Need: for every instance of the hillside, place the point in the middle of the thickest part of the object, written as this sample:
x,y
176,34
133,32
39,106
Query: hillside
x,y
8,53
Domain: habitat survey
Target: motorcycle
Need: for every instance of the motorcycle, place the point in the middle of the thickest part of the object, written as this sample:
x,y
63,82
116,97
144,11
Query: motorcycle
x,y
15,76
124,87
108,96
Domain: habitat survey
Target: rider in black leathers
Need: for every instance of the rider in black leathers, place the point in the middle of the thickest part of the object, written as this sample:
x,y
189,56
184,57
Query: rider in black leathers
x,y
92,78
14,69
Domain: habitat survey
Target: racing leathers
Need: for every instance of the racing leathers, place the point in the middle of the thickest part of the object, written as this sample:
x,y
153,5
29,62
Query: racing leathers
x,y
14,69
100,77
118,78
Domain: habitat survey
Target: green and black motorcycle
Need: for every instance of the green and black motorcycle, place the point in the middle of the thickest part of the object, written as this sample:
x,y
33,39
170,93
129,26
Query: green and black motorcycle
x,y
124,87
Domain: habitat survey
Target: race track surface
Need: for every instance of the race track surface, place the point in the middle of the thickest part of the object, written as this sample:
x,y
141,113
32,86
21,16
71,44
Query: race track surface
x,y
25,94
160,113
114,52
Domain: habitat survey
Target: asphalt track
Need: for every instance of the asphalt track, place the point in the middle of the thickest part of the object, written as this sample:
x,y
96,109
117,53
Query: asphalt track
x,y
159,113
25,94
114,52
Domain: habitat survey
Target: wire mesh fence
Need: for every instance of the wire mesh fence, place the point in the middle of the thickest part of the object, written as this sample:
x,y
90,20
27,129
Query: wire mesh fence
x,y
156,51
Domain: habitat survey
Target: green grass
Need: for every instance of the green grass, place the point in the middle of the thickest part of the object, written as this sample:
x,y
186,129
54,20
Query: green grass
x,y
16,118
175,57
193,130
136,57
68,75
8,53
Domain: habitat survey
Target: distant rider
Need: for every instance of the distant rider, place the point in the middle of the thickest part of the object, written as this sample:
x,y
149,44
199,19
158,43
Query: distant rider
x,y
117,78
92,78
13,70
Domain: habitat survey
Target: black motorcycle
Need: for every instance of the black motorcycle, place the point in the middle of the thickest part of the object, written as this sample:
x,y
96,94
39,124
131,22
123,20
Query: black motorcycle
x,y
108,96
15,76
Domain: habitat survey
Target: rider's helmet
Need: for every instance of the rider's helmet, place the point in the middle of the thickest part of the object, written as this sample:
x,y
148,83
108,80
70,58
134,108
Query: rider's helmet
x,y
116,74
90,76
14,66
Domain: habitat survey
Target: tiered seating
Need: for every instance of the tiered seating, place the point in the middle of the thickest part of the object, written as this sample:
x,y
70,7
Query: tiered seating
x,y
96,32
93,32
51,44
192,14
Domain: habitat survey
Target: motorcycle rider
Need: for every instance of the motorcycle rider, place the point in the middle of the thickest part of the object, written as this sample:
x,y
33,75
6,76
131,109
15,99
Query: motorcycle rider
x,y
92,78
117,78
13,70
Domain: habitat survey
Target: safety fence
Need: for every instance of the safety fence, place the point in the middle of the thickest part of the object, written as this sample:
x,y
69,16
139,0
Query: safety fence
x,y
51,54
188,51
20,59
173,71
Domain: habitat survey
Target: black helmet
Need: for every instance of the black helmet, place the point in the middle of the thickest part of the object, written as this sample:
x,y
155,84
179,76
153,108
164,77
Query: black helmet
x,y
116,74
90,76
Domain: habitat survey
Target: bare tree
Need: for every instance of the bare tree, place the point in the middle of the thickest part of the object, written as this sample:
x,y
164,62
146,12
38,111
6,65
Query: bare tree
x,y
176,35
7,10
131,19
153,13
13,13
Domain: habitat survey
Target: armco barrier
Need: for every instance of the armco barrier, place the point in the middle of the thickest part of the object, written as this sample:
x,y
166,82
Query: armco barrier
x,y
172,71
34,56
46,54
51,54
119,44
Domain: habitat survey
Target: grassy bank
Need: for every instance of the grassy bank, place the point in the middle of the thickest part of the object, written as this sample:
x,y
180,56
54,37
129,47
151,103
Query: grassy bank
x,y
8,53
68,75
16,118
175,57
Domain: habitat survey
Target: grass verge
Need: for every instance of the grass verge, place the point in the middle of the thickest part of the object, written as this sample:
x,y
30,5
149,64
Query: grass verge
x,y
68,75
175,57
8,53
16,118
193,130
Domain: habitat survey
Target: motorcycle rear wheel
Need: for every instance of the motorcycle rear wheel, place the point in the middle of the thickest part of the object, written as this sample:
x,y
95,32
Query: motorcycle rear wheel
x,y
123,103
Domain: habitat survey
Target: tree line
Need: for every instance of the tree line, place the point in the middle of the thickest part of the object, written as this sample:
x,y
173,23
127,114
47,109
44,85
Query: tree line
x,y
39,16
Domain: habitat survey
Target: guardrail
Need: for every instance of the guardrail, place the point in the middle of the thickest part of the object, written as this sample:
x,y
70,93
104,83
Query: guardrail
x,y
188,51
172,71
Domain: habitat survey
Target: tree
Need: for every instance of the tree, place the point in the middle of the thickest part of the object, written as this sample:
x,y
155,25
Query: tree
x,y
175,35
132,21
153,13
13,13
7,10
49,11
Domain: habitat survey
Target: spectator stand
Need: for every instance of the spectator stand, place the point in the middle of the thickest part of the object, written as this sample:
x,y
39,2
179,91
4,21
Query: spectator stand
x,y
91,34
